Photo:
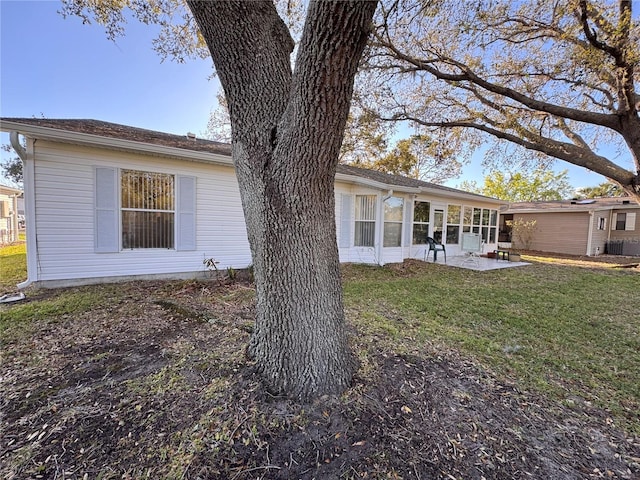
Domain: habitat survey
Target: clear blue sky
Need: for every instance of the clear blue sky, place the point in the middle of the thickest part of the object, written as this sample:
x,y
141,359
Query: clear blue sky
x,y
60,68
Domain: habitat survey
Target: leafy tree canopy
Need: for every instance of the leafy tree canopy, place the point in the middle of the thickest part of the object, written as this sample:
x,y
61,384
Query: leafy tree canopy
x,y
12,167
603,190
418,156
538,185
367,138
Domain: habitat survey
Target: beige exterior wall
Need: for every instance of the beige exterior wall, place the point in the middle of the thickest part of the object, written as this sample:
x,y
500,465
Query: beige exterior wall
x,y
631,235
627,234
8,215
562,232
580,229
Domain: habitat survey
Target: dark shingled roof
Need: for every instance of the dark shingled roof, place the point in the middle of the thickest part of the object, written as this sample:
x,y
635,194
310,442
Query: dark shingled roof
x,y
398,180
114,130
124,132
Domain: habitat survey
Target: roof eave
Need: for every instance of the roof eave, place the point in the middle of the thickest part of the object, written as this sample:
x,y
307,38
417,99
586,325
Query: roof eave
x,y
462,194
559,210
10,190
114,143
573,209
87,139
367,182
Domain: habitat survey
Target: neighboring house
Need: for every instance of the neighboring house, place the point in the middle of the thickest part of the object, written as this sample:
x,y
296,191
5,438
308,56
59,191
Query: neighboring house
x,y
9,214
106,202
577,227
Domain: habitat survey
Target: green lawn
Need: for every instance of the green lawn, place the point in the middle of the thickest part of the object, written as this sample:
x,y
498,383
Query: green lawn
x,y
13,266
569,332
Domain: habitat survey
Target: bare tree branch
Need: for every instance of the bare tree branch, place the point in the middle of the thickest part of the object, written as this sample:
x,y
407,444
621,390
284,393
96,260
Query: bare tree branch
x,y
565,151
605,120
537,74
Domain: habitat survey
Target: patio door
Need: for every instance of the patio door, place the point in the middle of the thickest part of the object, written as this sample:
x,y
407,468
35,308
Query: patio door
x,y
438,223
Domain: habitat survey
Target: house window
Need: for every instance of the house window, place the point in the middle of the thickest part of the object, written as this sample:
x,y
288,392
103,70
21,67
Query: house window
x,y
421,211
485,225
493,225
453,224
148,209
467,219
602,223
365,220
393,207
624,221
481,220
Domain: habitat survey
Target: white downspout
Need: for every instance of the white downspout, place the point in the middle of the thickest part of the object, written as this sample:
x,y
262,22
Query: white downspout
x,y
28,179
590,234
15,143
609,226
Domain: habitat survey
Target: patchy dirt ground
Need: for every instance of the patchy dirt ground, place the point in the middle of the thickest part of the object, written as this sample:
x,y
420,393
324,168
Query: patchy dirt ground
x,y
152,382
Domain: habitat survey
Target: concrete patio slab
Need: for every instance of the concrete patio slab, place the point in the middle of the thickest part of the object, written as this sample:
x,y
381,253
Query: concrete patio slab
x,y
479,264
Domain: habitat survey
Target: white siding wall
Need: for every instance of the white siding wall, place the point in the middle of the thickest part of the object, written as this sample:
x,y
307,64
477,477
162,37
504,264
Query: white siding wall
x,y
353,254
64,198
64,184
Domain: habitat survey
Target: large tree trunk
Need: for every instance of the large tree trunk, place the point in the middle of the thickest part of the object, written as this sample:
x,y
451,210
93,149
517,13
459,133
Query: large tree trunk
x,y
286,134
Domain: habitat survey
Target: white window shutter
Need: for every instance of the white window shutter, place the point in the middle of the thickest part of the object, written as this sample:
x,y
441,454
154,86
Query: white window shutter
x,y
186,213
346,202
106,210
631,222
614,221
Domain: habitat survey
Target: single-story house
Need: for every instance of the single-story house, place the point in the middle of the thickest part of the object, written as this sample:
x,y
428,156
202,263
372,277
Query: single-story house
x,y
575,227
9,213
107,202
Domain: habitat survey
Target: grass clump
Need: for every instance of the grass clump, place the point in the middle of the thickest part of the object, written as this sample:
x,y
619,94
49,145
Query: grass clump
x,y
23,318
13,265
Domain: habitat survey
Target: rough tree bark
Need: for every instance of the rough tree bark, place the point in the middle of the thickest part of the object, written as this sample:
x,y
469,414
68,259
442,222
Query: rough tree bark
x,y
287,129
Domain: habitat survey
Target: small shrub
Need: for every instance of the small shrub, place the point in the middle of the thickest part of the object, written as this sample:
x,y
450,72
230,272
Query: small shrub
x,y
522,232
211,264
232,274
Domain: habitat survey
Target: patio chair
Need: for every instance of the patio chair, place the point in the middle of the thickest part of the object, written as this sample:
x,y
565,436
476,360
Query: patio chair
x,y
472,246
435,247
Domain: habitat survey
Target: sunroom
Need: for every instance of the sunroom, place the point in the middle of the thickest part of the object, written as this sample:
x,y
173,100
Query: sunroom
x,y
380,226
